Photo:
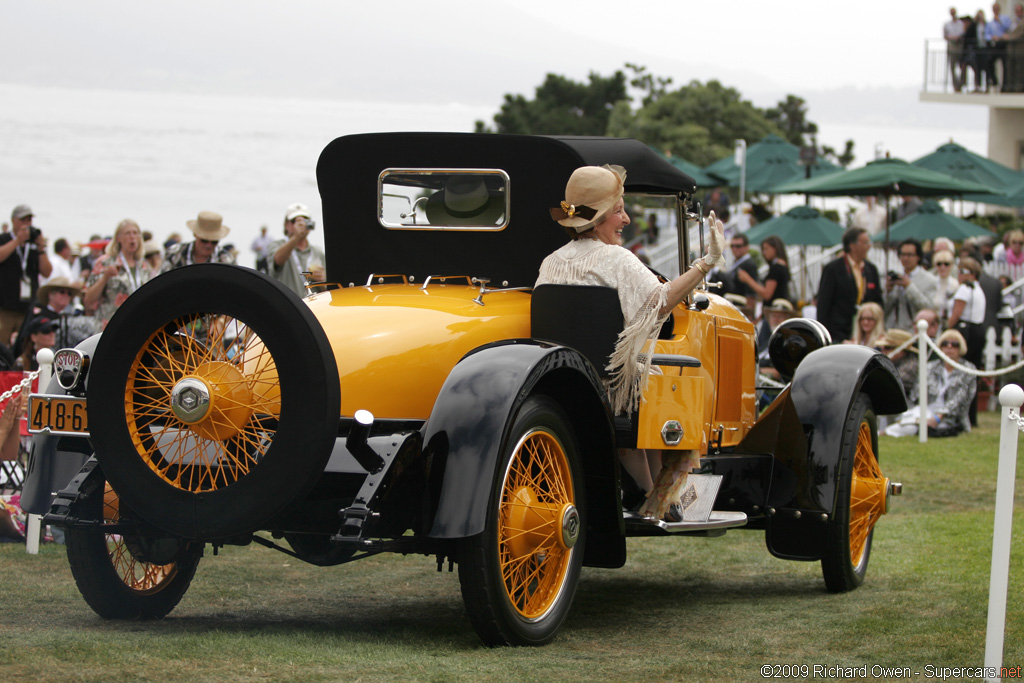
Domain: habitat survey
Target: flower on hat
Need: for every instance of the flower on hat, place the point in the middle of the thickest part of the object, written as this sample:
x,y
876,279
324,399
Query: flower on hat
x,y
590,193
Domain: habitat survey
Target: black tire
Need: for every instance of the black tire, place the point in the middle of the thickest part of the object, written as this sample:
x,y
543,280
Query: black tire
x,y
860,501
111,578
518,588
274,400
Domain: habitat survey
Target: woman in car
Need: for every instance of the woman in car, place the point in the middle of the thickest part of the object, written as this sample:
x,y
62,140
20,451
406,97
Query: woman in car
x,y
593,215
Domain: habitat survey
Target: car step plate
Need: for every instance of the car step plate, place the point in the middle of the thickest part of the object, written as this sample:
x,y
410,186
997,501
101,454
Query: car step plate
x,y
697,498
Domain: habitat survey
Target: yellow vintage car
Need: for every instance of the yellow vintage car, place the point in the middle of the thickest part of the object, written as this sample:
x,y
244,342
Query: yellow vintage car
x,y
427,399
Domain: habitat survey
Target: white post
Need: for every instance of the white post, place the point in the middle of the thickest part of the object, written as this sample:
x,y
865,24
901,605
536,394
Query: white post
x,y
922,381
34,527
1011,397
740,157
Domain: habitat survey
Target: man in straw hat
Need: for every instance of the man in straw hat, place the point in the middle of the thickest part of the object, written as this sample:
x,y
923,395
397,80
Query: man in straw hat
x,y
209,230
593,215
291,257
54,303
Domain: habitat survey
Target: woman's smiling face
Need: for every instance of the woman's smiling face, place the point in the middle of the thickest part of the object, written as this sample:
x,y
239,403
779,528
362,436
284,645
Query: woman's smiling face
x,y
609,230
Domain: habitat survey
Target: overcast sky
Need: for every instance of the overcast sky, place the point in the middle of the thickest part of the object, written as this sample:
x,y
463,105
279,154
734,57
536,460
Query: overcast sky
x,y
464,51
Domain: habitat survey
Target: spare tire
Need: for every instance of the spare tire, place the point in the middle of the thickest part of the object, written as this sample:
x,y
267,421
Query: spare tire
x,y
213,400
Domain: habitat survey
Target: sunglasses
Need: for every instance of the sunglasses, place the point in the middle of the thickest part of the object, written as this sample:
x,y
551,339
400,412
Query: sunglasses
x,y
213,242
737,246
949,343
64,291
943,263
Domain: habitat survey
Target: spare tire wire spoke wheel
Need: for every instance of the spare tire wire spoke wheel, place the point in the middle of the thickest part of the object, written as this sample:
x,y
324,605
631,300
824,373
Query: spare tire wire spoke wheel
x,y
213,400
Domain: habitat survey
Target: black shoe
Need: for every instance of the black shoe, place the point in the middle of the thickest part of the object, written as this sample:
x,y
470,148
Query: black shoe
x,y
674,514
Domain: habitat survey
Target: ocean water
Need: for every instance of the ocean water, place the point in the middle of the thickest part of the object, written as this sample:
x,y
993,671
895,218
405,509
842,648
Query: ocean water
x,y
85,159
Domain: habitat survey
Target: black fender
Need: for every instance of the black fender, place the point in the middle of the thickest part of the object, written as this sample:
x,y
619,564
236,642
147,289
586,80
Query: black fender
x,y
468,430
54,460
822,392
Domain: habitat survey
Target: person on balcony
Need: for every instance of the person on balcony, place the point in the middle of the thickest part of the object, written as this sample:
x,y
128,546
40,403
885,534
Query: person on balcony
x,y
1013,40
953,32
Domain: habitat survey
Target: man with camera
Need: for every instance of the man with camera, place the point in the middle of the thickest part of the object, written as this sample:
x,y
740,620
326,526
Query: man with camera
x,y
290,258
907,294
23,260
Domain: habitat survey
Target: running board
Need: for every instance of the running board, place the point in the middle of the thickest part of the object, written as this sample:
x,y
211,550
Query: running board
x,y
716,525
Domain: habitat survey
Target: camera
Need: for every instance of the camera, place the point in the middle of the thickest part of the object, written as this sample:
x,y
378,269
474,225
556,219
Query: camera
x,y
33,234
310,223
893,275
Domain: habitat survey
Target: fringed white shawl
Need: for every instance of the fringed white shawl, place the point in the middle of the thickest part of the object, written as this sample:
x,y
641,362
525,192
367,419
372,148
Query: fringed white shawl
x,y
641,297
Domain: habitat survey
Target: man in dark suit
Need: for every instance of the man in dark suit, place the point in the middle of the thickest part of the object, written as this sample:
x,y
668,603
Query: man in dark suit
x,y
846,283
740,246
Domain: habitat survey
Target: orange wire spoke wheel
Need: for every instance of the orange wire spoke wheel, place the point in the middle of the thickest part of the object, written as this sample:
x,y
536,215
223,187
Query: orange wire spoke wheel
x,y
141,577
213,401
519,576
200,402
862,497
867,494
538,524
124,576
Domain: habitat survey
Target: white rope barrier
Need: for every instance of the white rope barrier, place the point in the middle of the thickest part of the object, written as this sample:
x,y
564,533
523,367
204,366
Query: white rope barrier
x,y
1011,397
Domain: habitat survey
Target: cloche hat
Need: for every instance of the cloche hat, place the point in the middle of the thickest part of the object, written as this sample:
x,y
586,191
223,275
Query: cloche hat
x,y
590,193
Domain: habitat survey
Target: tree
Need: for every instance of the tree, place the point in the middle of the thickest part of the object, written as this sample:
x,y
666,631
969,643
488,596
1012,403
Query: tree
x,y
646,82
561,107
790,115
844,159
699,122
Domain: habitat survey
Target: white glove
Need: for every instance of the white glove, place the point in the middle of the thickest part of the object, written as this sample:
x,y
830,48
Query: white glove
x,y
716,241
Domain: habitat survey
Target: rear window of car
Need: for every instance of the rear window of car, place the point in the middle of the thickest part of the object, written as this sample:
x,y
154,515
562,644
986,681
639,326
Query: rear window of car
x,y
443,199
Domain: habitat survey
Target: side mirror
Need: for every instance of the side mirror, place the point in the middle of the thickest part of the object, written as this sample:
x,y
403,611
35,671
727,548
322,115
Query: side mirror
x,y
701,301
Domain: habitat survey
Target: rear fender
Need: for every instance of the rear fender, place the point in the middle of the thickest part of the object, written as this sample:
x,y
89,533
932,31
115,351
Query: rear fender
x,y
468,431
822,392
54,460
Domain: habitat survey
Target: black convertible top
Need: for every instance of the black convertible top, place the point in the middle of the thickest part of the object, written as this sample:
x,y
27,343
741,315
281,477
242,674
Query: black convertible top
x,y
357,245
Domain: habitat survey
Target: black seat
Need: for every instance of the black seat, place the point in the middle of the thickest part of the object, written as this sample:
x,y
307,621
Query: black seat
x,y
587,318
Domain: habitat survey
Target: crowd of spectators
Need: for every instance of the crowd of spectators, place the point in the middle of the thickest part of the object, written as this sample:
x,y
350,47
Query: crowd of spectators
x,y
59,299
993,50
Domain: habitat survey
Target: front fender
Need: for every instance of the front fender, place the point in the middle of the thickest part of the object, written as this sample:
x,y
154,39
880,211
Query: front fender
x,y
822,392
468,431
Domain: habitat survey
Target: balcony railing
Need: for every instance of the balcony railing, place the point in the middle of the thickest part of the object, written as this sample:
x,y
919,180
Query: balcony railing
x,y
937,75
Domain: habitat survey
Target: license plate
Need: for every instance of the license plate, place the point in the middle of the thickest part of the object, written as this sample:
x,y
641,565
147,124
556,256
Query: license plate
x,y
57,414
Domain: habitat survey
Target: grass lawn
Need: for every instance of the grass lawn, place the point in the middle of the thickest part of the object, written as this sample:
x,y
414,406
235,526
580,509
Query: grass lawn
x,y
696,609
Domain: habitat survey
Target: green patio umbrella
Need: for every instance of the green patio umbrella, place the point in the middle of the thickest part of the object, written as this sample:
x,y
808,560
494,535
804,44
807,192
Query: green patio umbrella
x,y
929,222
693,170
770,162
887,177
961,163
801,225
1013,197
